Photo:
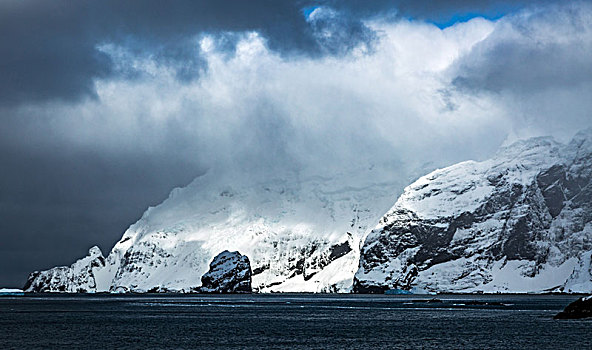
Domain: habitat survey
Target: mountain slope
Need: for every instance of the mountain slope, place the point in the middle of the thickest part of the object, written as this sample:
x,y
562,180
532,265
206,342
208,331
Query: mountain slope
x,y
520,222
300,233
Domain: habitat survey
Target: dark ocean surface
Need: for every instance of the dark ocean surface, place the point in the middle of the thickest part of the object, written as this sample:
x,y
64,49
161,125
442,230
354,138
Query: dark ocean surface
x,y
293,321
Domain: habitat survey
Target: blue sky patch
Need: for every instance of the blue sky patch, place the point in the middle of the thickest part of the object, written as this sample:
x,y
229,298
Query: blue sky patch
x,y
308,10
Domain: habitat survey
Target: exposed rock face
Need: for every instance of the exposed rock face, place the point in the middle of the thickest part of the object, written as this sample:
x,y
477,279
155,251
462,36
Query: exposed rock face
x,y
77,278
230,272
581,308
520,222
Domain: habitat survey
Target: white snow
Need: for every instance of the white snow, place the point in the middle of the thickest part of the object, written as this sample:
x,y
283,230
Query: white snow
x,y
509,276
270,222
10,290
464,186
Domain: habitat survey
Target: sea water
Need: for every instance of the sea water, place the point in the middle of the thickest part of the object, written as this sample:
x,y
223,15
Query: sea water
x,y
290,321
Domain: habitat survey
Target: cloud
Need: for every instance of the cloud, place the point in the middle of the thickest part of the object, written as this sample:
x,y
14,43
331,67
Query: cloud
x,y
537,65
49,48
45,52
257,109
533,51
441,13
407,92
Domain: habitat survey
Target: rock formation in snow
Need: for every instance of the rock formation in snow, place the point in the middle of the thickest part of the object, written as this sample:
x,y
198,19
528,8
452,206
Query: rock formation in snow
x,y
520,222
77,278
230,272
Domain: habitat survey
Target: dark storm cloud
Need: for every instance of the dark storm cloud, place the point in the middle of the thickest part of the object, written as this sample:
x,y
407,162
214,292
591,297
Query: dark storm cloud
x,y
48,49
439,12
551,66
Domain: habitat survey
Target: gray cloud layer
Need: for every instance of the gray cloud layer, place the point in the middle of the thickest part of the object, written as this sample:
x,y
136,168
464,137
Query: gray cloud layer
x,y
528,53
105,106
49,48
537,63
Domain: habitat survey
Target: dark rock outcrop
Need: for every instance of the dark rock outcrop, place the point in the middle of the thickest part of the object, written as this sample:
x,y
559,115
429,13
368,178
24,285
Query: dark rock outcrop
x,y
581,308
230,272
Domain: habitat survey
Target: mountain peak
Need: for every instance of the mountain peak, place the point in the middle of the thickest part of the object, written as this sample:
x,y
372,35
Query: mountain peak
x,y
510,223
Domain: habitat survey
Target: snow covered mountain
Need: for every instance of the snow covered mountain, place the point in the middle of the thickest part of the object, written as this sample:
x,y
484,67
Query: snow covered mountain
x,y
520,222
300,233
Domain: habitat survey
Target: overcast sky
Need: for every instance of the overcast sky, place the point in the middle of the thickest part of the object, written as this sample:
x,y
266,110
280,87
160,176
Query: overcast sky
x,y
107,105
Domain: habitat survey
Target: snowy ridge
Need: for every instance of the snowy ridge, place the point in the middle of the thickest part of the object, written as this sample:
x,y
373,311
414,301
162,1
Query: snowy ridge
x,y
519,222
464,186
77,278
300,233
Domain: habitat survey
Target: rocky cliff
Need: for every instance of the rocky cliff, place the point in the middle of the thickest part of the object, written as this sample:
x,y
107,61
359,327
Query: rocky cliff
x,y
520,222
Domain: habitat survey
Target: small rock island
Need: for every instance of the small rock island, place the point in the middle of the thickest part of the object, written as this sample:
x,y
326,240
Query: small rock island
x,y
581,308
230,272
